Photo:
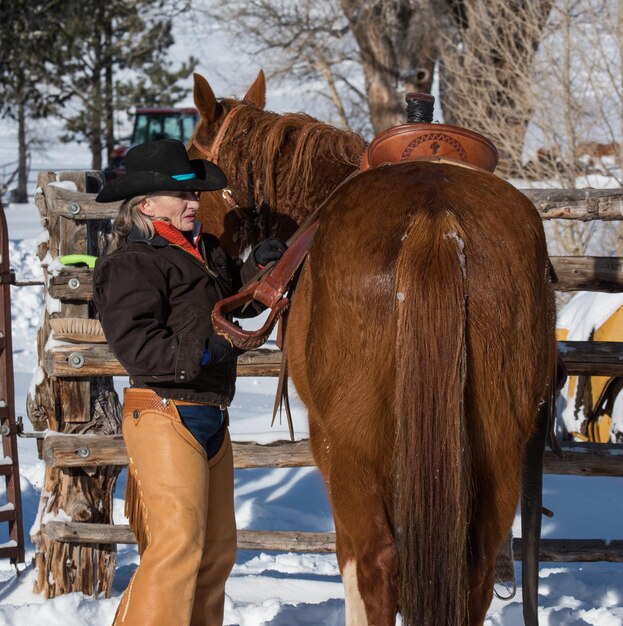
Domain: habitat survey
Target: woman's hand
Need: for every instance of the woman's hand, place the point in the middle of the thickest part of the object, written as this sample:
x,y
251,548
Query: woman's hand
x,y
218,350
270,249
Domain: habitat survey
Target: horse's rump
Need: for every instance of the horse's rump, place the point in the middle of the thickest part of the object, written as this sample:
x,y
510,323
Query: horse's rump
x,y
427,305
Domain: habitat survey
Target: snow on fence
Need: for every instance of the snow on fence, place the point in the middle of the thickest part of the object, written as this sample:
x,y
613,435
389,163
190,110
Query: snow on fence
x,y
74,396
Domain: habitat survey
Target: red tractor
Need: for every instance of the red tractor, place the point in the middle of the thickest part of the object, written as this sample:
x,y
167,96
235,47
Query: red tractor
x,y
149,124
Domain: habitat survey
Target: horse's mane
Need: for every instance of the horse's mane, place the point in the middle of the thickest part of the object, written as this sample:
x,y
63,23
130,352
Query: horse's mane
x,y
290,148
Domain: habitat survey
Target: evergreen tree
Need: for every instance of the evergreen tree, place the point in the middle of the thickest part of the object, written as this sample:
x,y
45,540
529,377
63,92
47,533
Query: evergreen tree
x,y
115,55
28,30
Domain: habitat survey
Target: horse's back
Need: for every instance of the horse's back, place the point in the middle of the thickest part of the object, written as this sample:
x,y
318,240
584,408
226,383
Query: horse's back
x,y
351,292
369,220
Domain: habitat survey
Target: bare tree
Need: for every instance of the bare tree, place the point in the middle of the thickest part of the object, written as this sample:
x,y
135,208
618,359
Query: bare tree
x,y
486,75
398,42
308,42
394,45
542,79
574,136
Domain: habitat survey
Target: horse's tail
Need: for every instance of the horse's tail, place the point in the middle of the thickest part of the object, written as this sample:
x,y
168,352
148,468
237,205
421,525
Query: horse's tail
x,y
433,504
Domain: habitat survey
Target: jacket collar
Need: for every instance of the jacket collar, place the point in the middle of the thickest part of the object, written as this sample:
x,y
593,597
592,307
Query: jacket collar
x,y
156,241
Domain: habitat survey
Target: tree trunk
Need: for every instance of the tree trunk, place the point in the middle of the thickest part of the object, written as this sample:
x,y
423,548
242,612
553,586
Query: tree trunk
x,y
22,173
95,133
108,90
486,77
398,53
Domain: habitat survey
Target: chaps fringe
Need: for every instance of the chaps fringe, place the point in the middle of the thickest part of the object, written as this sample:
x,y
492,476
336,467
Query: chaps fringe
x,y
135,509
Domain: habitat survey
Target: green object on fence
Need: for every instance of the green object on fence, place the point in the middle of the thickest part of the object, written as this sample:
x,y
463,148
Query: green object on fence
x,y
78,259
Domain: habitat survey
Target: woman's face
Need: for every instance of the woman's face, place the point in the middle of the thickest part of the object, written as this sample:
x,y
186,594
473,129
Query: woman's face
x,y
177,207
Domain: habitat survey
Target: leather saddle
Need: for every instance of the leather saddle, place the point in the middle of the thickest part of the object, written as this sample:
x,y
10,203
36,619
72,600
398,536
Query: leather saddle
x,y
430,142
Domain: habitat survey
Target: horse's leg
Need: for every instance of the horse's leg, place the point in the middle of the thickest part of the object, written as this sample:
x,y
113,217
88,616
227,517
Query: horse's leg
x,y
495,500
355,607
366,548
345,550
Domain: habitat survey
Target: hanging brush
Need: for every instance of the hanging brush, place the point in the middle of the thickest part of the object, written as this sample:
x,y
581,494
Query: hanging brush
x,y
77,330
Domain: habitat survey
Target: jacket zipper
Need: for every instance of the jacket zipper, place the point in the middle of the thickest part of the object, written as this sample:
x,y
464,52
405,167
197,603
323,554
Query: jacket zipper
x,y
192,256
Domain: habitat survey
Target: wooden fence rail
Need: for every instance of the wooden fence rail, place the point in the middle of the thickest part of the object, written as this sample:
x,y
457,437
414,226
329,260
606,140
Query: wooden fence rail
x,y
583,459
556,550
83,360
575,273
567,204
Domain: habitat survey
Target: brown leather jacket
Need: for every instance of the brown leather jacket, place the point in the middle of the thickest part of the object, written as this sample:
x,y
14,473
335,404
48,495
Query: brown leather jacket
x,y
155,300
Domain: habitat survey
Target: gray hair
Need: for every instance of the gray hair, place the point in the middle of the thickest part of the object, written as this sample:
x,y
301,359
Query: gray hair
x,y
130,216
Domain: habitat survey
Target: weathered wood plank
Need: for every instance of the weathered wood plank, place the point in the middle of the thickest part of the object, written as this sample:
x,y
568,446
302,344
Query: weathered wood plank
x,y
97,450
575,550
580,273
575,273
82,360
586,459
598,358
291,541
89,359
577,204
75,205
79,450
557,550
79,360
75,283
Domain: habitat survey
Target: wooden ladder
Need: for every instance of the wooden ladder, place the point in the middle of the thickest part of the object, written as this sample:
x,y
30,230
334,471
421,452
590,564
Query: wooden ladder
x,y
10,512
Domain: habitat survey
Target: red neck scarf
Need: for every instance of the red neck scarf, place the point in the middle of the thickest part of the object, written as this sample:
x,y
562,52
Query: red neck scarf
x,y
176,237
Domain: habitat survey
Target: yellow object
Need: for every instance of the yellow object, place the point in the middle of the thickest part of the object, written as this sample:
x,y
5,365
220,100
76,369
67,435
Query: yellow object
x,y
597,429
79,259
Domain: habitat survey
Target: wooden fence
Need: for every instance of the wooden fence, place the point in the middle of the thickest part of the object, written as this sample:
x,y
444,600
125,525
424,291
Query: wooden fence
x,y
74,396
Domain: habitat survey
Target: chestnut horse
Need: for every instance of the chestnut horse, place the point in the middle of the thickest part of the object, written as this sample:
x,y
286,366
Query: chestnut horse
x,y
420,338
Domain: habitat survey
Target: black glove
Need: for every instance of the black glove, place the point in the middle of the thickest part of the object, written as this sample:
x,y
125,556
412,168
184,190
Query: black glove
x,y
219,350
270,249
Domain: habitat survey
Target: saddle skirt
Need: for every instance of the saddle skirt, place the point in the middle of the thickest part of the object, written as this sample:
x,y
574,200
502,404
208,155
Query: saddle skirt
x,y
430,142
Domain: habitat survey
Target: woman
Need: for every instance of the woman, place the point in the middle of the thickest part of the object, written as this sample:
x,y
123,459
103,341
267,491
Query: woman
x,y
154,294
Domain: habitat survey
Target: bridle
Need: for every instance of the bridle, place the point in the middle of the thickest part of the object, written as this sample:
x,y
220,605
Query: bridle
x,y
212,153
257,214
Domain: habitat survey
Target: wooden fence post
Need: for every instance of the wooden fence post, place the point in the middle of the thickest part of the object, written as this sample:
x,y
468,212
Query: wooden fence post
x,y
72,405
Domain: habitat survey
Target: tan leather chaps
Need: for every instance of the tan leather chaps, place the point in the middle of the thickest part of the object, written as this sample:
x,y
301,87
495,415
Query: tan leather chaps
x,y
181,509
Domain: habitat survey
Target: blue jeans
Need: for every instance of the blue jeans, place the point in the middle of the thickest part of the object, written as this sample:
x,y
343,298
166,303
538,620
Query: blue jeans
x,y
207,425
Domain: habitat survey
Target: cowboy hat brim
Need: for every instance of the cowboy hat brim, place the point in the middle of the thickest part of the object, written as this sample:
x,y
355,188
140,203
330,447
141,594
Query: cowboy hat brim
x,y
208,177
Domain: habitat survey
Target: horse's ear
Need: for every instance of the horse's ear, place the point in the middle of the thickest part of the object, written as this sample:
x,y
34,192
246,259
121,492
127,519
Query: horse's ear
x,y
205,100
257,91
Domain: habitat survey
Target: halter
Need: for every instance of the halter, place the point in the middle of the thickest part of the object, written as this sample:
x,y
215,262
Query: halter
x,y
212,155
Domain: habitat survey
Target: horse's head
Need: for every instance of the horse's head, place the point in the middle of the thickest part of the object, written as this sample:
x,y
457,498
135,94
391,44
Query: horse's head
x,y
214,112
228,215
279,167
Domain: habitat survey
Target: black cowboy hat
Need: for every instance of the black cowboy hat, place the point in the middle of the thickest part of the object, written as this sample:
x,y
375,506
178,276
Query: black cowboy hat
x,y
162,165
